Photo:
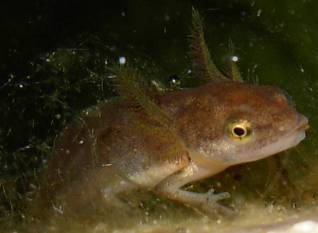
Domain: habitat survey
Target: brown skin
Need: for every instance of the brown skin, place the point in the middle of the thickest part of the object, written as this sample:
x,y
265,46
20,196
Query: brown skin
x,y
117,151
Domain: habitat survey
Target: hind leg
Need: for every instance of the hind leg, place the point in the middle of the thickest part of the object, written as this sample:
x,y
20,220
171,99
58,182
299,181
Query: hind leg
x,y
111,192
98,190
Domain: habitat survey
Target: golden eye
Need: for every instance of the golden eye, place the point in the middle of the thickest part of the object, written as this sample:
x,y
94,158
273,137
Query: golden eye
x,y
239,130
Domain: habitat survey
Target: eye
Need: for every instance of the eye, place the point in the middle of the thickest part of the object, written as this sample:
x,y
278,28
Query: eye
x,y
239,130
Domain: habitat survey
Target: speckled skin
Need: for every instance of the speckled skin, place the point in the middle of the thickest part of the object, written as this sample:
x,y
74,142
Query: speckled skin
x,y
114,151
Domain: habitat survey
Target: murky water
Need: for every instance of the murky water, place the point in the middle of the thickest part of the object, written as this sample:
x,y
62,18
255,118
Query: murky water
x,y
54,65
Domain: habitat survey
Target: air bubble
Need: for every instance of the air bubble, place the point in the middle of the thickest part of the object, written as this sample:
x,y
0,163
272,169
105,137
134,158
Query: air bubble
x,y
122,60
234,58
302,69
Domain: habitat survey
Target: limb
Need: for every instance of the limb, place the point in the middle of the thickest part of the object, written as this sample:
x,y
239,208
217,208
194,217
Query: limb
x,y
171,188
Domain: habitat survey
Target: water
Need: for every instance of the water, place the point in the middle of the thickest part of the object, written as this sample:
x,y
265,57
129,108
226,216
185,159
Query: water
x,y
53,64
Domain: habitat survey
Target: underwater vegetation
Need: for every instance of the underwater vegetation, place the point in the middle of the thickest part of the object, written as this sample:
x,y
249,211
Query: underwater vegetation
x,y
63,83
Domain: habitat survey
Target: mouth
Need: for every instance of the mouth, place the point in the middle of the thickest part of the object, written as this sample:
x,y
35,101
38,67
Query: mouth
x,y
299,132
302,124
300,129
288,141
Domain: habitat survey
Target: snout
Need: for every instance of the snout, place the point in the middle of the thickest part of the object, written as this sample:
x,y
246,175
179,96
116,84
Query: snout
x,y
302,123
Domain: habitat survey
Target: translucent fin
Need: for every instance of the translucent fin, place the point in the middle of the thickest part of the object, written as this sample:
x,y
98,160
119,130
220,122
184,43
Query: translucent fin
x,y
234,70
200,52
146,113
235,73
131,86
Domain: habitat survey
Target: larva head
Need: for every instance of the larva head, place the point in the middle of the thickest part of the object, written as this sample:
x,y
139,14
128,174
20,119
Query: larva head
x,y
234,123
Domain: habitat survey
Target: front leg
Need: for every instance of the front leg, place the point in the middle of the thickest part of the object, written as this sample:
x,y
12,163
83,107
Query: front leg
x,y
206,202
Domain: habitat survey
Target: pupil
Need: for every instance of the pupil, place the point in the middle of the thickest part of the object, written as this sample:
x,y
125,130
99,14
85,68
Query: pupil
x,y
239,131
